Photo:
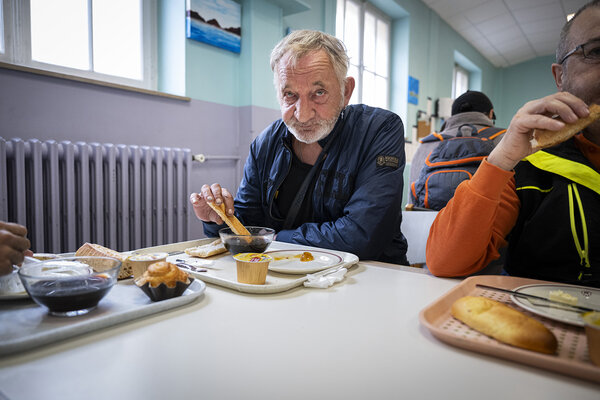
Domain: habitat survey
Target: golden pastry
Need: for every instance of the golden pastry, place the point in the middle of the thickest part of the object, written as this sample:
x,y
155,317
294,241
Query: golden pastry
x,y
163,272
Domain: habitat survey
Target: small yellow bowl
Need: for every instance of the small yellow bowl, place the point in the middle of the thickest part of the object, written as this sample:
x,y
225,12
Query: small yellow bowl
x,y
252,267
592,331
139,263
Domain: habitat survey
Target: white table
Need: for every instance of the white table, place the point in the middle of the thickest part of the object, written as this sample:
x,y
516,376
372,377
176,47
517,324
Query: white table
x,y
360,339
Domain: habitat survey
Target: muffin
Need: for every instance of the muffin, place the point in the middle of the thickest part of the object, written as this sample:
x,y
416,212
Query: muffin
x,y
163,280
252,267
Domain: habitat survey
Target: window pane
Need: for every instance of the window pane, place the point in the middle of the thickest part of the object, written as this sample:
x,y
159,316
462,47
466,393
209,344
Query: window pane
x,y
353,72
118,37
351,34
368,86
339,19
59,32
370,41
383,46
461,81
381,92
1,28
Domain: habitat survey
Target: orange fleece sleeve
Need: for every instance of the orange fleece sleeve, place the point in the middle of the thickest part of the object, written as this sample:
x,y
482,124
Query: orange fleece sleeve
x,y
467,234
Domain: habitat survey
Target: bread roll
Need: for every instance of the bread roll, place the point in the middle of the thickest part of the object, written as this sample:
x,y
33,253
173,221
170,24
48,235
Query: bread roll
x,y
96,250
207,250
504,324
543,138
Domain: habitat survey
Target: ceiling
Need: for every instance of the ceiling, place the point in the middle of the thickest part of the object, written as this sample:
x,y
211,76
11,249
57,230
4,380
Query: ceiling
x,y
508,32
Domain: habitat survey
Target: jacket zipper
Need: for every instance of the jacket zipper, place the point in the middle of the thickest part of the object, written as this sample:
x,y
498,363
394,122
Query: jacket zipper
x,y
583,251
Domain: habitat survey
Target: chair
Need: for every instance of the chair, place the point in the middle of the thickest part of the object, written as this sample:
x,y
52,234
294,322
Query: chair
x,y
415,228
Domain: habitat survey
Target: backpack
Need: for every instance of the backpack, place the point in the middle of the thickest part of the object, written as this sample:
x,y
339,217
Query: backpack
x,y
454,160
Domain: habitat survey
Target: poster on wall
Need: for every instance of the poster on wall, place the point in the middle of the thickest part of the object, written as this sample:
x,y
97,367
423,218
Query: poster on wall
x,y
216,22
413,90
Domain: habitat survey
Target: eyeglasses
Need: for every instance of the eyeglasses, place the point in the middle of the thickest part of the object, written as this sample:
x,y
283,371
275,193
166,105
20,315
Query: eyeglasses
x,y
590,51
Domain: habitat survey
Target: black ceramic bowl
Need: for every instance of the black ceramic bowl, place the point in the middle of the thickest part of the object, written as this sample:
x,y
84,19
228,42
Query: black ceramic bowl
x,y
257,242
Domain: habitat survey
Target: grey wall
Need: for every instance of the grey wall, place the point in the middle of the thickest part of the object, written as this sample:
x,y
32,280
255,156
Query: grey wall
x,y
46,108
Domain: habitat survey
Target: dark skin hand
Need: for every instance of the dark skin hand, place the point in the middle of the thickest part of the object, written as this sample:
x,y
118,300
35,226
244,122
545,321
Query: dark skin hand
x,y
14,246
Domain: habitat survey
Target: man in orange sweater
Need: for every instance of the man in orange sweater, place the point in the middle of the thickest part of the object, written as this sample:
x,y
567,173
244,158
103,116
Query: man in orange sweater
x,y
544,205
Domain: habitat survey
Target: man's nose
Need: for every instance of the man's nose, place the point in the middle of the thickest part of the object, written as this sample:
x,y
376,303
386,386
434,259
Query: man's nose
x,y
304,110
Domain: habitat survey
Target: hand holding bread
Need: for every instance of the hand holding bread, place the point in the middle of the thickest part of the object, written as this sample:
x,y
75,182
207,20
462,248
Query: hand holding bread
x,y
549,114
543,138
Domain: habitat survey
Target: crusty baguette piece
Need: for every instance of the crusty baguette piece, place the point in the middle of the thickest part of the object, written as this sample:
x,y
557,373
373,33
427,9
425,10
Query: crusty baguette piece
x,y
96,250
207,250
234,223
543,138
504,324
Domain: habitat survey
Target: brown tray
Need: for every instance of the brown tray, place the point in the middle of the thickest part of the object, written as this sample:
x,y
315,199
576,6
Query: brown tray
x,y
571,358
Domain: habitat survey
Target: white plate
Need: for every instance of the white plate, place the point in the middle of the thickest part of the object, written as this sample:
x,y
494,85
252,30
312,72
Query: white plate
x,y
586,297
288,261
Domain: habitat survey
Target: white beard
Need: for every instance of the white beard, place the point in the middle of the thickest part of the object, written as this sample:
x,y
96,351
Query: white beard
x,y
318,130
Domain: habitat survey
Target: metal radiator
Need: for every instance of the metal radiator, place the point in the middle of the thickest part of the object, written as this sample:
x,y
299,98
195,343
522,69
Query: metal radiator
x,y
122,197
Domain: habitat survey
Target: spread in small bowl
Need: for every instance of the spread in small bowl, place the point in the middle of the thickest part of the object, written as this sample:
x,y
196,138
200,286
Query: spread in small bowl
x,y
252,267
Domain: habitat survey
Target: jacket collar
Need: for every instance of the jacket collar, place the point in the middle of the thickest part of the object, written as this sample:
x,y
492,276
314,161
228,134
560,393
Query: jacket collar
x,y
470,117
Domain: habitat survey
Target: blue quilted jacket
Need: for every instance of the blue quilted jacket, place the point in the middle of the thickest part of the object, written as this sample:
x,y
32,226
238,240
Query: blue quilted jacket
x,y
358,192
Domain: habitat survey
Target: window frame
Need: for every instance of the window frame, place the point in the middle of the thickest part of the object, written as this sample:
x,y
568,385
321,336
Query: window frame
x,y
459,69
365,7
17,24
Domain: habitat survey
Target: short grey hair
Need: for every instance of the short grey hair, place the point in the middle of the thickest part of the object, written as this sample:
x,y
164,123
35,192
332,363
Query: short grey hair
x,y
563,43
299,43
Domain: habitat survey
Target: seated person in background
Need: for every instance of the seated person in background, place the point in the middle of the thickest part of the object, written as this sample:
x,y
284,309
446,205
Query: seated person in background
x,y
351,159
472,115
14,246
548,204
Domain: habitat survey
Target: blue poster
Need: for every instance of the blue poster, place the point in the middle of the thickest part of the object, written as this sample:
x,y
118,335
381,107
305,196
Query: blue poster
x,y
413,90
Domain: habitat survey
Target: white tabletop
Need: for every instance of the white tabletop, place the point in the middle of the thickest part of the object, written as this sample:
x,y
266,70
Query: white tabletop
x,y
360,339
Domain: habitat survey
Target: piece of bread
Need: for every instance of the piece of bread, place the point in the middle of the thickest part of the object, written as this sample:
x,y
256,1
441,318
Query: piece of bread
x,y
543,138
163,272
231,221
504,324
207,250
96,250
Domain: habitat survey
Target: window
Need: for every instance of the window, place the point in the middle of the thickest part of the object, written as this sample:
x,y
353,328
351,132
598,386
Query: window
x,y
460,81
368,49
107,40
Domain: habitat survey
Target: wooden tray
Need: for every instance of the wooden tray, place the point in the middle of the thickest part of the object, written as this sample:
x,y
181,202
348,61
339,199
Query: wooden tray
x,y
572,357
223,271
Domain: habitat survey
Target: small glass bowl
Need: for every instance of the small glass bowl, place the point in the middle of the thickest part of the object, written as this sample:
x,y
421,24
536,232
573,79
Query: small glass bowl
x,y
257,242
70,286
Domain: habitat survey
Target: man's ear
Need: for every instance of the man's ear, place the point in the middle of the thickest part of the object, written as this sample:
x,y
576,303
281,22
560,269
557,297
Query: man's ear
x,y
349,84
558,71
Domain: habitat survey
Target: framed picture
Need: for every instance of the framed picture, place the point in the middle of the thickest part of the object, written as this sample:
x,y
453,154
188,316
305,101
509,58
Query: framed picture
x,y
216,22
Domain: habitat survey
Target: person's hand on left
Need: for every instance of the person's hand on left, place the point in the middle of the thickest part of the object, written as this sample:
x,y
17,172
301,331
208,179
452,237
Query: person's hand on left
x,y
14,246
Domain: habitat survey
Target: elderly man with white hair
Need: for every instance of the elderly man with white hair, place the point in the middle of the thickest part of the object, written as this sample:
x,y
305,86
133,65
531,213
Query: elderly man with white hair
x,y
326,174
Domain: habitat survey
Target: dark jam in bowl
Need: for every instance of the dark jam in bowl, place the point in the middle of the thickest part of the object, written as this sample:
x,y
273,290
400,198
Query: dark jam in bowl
x,y
236,245
70,294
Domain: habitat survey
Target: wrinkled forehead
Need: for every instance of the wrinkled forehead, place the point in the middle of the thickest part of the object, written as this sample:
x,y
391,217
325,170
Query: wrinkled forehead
x,y
310,63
